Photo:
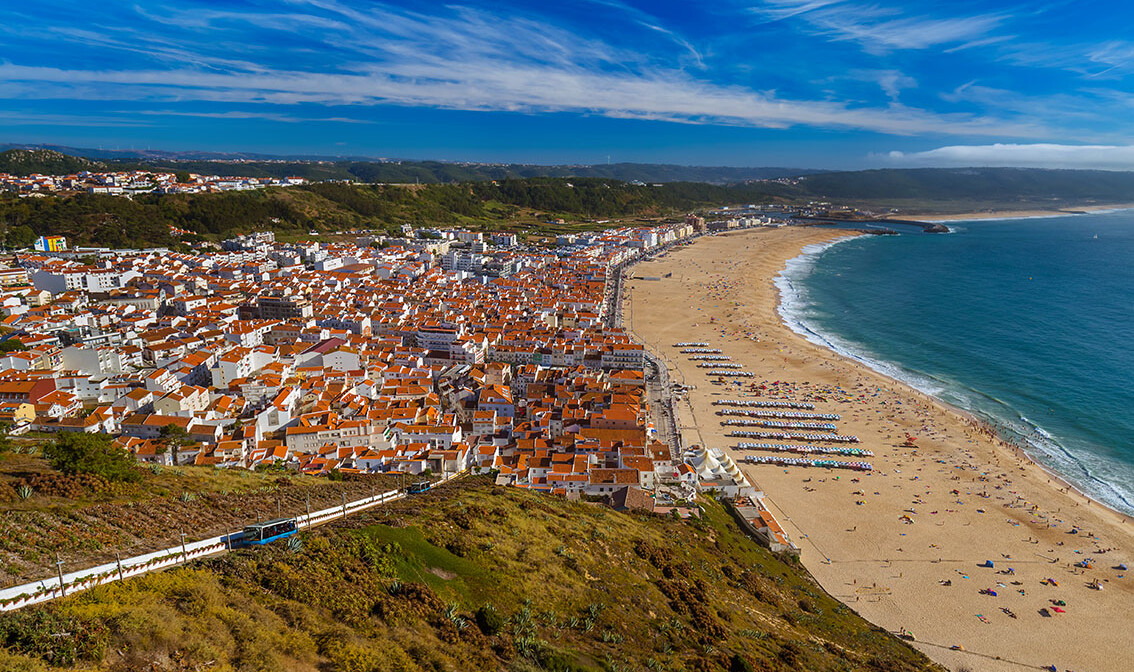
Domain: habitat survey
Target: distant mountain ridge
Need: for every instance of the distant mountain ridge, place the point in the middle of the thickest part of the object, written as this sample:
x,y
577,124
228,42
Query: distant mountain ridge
x,y
1000,185
372,169
973,184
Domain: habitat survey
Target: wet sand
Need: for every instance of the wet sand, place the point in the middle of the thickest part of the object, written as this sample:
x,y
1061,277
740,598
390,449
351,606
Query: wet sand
x,y
850,526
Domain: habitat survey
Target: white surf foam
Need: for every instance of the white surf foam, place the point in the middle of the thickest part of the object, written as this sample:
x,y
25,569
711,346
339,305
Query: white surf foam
x,y
795,310
1092,475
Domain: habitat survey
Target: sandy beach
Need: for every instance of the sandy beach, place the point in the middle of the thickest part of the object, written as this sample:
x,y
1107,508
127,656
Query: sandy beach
x,y
902,545
1015,214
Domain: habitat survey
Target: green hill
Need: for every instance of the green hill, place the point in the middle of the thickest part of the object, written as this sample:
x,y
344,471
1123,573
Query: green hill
x,y
146,220
500,197
469,577
25,162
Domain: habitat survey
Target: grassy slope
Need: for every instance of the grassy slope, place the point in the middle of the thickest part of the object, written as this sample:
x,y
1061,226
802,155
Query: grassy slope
x,y
572,587
88,526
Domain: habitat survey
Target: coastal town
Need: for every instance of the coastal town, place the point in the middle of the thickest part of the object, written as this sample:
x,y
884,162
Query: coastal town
x,y
135,182
437,353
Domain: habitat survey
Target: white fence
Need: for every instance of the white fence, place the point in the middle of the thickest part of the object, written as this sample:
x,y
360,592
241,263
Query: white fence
x,y
45,590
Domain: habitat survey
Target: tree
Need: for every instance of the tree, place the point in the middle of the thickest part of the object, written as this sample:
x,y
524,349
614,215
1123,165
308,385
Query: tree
x,y
174,438
20,236
80,453
11,345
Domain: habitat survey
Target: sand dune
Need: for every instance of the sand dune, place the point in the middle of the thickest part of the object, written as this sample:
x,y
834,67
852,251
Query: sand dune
x,y
969,498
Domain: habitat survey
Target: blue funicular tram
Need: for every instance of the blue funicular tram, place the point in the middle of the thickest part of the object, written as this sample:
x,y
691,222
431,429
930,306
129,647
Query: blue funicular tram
x,y
260,534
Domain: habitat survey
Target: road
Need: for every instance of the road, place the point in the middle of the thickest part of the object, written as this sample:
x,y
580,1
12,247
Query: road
x,y
659,388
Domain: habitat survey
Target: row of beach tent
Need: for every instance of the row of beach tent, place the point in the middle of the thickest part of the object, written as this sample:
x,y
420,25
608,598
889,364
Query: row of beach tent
x,y
798,415
805,449
757,403
785,461
793,436
781,424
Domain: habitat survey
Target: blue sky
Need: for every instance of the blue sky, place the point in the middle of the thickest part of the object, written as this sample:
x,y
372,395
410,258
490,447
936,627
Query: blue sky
x,y
808,83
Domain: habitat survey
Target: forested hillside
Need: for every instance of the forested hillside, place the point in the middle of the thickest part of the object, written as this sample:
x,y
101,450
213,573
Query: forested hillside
x,y
146,220
432,172
489,197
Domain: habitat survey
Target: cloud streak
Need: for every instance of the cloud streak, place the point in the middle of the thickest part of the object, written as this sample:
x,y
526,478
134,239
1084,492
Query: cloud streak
x,y
845,67
471,60
1102,157
879,29
494,86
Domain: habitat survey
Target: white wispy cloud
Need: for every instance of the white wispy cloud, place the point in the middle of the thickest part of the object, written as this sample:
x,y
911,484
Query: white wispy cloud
x,y
1103,157
879,28
483,86
1113,55
235,114
466,59
1110,59
19,118
892,82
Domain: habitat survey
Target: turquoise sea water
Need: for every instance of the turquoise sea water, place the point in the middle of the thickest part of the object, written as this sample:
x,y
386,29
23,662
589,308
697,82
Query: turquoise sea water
x,y
1028,323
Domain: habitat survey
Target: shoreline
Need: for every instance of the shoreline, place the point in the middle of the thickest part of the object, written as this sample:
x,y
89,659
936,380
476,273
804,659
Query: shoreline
x,y
878,367
993,215
856,544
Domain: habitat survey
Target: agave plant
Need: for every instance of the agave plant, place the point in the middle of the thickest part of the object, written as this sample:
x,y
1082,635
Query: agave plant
x,y
187,496
611,637
294,544
455,618
24,492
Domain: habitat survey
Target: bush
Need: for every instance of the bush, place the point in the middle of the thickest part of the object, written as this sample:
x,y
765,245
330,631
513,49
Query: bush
x,y
36,633
63,485
740,664
11,662
77,453
489,620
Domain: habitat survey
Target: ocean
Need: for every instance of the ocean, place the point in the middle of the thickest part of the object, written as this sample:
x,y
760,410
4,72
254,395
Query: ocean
x,y
1027,323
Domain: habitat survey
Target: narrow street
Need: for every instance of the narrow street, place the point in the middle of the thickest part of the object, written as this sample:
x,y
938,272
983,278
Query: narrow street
x,y
659,388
